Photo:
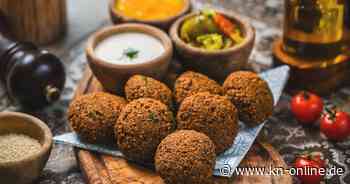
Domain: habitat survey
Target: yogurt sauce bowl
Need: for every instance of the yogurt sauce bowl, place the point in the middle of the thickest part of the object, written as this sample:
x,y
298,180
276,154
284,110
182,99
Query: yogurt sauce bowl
x,y
136,48
116,53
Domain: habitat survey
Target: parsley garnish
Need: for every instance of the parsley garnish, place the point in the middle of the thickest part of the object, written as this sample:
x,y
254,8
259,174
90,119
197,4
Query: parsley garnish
x,y
144,78
153,117
130,53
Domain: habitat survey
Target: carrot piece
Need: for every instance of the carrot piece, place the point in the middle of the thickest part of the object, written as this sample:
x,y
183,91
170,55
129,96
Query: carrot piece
x,y
226,26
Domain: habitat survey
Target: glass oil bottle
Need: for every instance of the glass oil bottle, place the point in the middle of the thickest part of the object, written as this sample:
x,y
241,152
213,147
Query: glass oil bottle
x,y
314,29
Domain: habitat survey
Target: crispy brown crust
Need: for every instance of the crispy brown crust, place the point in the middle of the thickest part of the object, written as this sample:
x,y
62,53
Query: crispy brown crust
x,y
190,83
139,86
94,115
186,157
212,115
251,95
140,128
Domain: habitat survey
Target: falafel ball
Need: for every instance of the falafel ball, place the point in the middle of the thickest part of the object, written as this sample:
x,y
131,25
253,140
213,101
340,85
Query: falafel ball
x,y
139,86
190,83
186,157
140,128
251,95
93,116
212,115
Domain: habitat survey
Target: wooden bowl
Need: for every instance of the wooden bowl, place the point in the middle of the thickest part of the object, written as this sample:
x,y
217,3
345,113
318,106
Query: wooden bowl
x,y
164,24
114,76
25,171
216,64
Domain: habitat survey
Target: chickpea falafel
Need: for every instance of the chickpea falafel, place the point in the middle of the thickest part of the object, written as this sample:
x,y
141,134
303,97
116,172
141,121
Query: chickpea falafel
x,y
140,128
93,116
251,95
190,83
186,157
139,86
212,115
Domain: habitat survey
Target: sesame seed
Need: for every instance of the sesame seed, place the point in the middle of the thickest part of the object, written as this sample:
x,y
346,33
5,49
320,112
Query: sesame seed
x,y
14,147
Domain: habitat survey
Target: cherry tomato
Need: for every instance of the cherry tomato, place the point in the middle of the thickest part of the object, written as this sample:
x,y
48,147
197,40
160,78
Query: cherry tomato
x,y
335,125
312,161
306,107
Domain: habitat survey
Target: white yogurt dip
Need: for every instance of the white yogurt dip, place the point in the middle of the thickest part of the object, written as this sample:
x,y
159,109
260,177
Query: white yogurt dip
x,y
129,48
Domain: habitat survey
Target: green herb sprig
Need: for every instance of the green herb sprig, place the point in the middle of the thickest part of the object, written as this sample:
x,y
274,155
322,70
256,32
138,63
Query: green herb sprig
x,y
130,53
153,117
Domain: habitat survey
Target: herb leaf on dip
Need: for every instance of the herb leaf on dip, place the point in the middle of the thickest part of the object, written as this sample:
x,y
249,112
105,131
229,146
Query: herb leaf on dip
x,y
131,53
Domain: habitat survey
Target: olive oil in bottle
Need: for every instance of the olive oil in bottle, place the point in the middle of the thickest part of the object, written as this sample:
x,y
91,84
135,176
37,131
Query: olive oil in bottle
x,y
314,28
347,27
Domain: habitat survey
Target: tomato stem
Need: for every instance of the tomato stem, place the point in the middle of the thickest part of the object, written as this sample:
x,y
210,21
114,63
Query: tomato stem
x,y
331,111
306,95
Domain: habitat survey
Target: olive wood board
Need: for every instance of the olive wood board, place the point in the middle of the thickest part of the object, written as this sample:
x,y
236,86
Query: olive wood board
x,y
103,169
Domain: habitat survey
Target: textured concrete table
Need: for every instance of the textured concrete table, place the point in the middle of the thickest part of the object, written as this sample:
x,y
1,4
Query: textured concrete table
x,y
283,132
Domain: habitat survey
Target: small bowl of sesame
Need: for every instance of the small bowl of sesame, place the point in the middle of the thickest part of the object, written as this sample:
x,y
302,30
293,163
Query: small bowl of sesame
x,y
25,146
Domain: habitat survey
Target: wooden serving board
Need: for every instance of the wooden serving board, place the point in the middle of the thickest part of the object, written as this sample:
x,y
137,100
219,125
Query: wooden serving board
x,y
103,169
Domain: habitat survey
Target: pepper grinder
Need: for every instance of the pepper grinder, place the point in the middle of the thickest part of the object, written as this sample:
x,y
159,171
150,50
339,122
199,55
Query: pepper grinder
x,y
313,45
32,77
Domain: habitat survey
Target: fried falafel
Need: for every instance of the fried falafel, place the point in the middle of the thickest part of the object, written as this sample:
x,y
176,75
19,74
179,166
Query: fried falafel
x,y
93,116
212,115
140,128
139,86
186,157
190,83
251,95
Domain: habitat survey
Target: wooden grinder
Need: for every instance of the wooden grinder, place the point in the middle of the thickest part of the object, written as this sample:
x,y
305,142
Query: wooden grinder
x,y
37,21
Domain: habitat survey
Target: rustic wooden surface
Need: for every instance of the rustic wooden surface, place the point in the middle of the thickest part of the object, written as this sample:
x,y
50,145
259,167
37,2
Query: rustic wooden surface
x,y
38,21
98,168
